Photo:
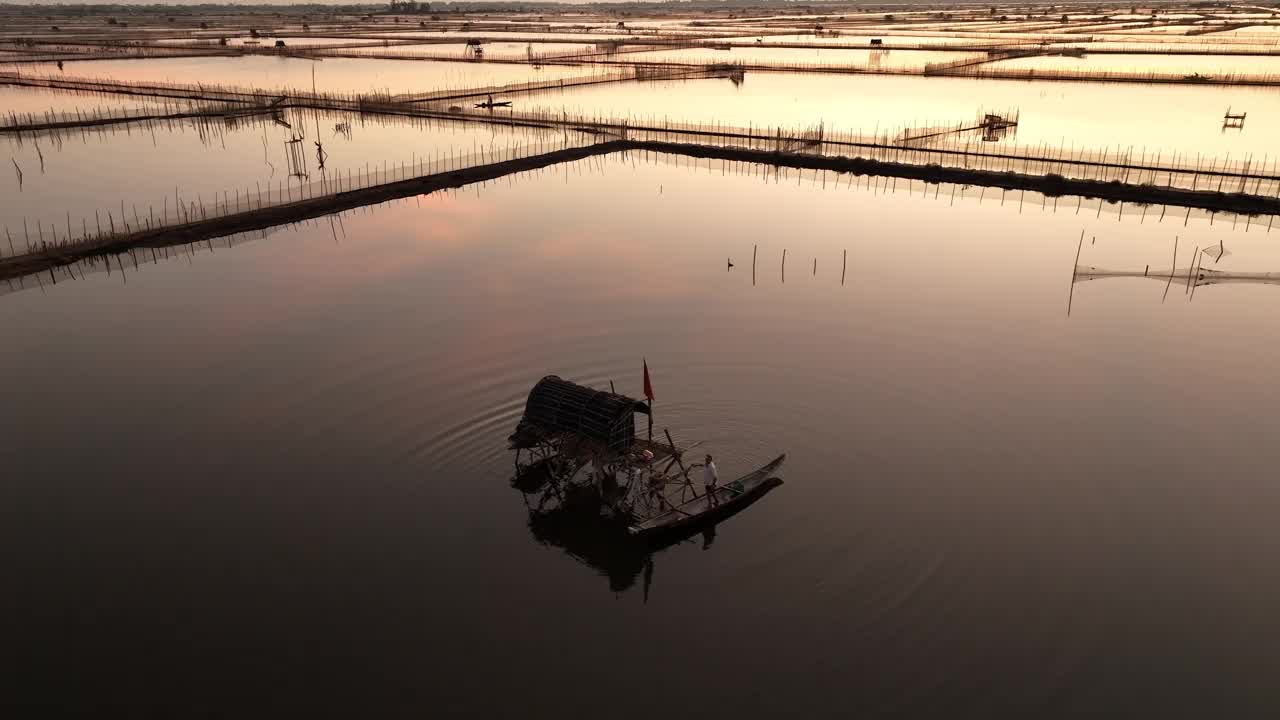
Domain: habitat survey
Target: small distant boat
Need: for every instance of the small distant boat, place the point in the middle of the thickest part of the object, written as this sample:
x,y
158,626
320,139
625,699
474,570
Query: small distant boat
x,y
492,104
724,501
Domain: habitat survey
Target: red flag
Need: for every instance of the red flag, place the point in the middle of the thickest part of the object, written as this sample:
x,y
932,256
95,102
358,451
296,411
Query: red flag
x,y
648,386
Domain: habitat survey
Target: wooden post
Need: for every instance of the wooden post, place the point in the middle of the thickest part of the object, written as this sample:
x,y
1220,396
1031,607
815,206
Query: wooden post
x,y
1195,254
1071,294
1196,283
1171,270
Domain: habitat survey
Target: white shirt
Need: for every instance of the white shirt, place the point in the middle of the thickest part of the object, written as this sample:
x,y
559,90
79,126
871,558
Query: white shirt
x,y
709,474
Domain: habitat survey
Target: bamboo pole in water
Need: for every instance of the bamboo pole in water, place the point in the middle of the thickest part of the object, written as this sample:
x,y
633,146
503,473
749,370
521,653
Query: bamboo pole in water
x,y
1172,269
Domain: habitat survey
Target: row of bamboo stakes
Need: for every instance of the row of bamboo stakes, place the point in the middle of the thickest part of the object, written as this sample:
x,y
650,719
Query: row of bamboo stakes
x,y
1059,42
284,193
885,185
1124,164
186,210
755,252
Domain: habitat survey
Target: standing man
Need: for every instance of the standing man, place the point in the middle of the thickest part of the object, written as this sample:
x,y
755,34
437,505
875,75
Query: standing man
x,y
709,479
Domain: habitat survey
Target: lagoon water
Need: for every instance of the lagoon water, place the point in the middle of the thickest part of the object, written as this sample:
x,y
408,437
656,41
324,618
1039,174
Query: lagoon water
x,y
271,476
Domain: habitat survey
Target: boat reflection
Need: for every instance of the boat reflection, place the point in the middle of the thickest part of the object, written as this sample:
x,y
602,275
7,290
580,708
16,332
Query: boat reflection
x,y
569,511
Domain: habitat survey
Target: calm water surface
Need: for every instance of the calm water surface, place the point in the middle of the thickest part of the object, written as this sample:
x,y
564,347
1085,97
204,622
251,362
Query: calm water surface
x,y
272,478
74,178
1057,114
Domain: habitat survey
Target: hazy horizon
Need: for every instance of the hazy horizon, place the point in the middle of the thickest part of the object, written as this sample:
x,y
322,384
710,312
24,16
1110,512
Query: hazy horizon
x,y
662,3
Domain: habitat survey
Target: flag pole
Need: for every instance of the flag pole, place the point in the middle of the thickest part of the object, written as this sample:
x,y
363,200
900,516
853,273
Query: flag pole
x,y
648,391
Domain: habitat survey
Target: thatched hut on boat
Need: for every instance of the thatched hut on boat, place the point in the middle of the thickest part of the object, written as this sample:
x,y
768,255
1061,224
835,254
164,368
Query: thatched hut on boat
x,y
559,411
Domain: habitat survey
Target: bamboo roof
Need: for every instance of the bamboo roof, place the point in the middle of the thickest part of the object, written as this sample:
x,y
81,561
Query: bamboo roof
x,y
560,408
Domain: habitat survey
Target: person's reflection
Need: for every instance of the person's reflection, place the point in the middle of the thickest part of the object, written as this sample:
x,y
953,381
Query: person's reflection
x,y
708,536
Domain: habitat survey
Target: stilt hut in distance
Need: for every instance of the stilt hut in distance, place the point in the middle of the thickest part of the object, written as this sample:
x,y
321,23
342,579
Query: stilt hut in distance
x,y
577,419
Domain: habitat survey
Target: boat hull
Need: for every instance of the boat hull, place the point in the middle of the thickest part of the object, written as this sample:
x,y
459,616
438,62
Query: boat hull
x,y
698,513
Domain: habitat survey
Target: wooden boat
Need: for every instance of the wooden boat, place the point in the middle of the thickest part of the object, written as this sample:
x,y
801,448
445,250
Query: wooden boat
x,y
503,103
728,499
567,427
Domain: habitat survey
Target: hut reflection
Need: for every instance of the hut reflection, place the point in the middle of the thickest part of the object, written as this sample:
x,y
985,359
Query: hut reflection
x,y
574,516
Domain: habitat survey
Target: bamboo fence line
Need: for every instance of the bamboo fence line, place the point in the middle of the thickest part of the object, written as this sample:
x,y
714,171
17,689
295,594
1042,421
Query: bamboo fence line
x,y
1264,181
870,67
1123,165
109,225
1144,40
78,45
426,53
382,48
429,56
984,72
631,74
213,126
1257,45
523,33
1129,164
1130,76
1093,47
1157,48
1156,166
15,122
157,88
177,98
991,56
111,52
231,93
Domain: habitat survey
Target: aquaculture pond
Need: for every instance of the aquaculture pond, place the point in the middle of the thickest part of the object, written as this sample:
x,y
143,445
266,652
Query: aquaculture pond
x,y
339,75
70,180
1170,65
844,57
1067,114
269,472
